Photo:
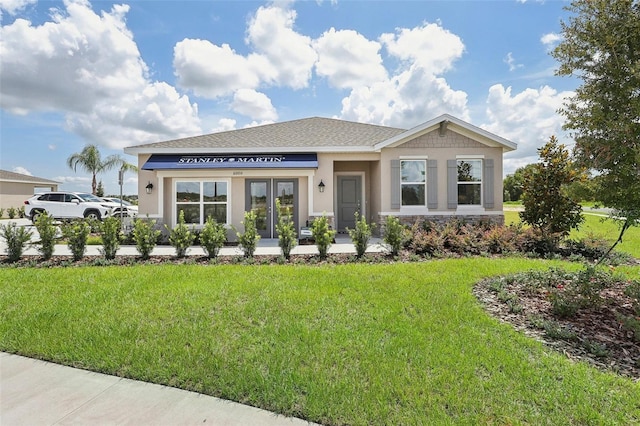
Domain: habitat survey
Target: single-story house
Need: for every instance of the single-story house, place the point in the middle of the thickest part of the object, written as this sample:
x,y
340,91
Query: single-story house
x,y
444,168
15,188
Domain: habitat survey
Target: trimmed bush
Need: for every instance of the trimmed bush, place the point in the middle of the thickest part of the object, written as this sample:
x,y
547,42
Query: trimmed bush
x,y
394,234
145,236
12,212
287,237
47,231
16,238
248,239
360,235
76,233
213,237
181,236
110,233
322,235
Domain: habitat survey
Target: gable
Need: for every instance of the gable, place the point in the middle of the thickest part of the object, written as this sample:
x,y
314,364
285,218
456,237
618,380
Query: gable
x,y
450,139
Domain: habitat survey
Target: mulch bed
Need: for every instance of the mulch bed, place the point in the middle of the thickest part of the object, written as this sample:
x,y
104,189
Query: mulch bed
x,y
591,327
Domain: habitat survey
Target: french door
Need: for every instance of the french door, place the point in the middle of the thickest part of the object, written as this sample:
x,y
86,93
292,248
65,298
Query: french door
x,y
260,197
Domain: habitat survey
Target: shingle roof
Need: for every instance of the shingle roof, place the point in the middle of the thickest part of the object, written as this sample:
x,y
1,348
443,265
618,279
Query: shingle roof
x,y
6,175
305,133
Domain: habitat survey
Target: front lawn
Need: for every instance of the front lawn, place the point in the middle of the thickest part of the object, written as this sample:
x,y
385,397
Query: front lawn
x,y
403,343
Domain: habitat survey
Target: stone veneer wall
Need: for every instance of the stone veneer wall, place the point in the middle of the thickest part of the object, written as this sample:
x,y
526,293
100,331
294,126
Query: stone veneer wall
x,y
442,219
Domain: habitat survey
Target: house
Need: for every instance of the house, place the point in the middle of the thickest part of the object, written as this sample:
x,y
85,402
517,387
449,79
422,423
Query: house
x,y
17,187
442,169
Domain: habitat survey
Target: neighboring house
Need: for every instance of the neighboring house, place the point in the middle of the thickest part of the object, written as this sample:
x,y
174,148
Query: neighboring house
x,y
444,168
16,187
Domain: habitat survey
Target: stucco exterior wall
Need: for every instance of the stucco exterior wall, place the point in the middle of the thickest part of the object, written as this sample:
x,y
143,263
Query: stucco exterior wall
x,y
13,194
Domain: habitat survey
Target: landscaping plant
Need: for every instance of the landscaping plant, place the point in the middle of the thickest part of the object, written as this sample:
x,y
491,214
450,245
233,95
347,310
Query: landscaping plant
x,y
12,211
16,238
248,239
322,234
360,235
145,236
287,237
213,237
47,231
181,236
110,233
76,233
394,234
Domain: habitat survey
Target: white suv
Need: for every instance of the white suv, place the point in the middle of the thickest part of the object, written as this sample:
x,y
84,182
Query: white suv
x,y
66,205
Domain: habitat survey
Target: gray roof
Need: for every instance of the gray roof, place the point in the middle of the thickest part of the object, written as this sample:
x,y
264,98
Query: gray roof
x,y
300,134
8,176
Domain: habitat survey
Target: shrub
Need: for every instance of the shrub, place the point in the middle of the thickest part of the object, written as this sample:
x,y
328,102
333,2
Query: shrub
x,y
360,235
110,234
629,322
12,211
537,241
212,237
394,234
287,237
181,236
47,231
16,239
427,242
76,233
322,234
21,212
248,239
499,239
1,213
145,236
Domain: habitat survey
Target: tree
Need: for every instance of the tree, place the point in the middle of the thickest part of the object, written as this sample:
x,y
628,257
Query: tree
x,y
91,161
100,190
601,46
513,183
547,205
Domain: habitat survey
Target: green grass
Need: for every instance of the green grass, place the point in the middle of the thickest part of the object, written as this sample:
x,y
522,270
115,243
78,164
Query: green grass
x,y
598,226
346,344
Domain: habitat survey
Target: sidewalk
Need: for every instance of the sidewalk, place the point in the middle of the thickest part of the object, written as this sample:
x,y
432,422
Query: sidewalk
x,y
34,392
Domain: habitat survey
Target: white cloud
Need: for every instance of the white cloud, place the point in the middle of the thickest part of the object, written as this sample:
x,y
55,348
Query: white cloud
x,y
224,124
289,53
550,40
348,59
254,104
52,147
528,118
510,60
72,179
88,66
13,6
22,171
417,91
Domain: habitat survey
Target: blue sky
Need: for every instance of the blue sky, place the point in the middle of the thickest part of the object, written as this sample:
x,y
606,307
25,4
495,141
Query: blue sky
x,y
118,74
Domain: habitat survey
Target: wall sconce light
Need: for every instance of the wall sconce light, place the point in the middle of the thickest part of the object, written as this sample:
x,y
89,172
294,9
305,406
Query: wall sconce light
x,y
321,186
149,187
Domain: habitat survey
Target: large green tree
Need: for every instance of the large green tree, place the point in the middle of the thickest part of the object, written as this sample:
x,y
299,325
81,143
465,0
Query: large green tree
x,y
601,46
547,205
90,160
513,183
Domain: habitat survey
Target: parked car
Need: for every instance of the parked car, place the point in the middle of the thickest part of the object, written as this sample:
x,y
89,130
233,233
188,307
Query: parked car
x,y
128,209
67,205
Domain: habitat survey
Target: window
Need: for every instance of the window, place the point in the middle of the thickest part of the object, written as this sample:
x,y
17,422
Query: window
x,y
413,182
200,199
470,182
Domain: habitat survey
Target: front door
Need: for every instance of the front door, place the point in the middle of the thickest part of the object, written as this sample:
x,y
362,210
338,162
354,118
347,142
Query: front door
x,y
349,201
261,197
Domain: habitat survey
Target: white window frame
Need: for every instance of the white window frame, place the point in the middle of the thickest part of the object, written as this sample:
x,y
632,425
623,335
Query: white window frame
x,y
469,159
201,203
423,206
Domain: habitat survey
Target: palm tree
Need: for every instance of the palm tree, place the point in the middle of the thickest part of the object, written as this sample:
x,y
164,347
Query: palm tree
x,y
91,161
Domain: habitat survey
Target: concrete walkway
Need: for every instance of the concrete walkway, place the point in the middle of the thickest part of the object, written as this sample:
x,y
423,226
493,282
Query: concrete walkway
x,y
34,392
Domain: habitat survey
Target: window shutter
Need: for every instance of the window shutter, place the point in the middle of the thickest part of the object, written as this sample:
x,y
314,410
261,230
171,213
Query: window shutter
x,y
395,184
432,184
487,183
452,184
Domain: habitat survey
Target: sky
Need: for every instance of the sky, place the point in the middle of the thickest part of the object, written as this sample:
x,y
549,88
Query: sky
x,y
123,73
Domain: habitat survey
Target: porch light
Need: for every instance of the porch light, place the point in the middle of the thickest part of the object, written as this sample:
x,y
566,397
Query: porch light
x,y
149,187
321,186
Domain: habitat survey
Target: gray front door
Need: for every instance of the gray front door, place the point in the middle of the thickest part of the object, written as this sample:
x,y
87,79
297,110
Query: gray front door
x,y
261,197
349,201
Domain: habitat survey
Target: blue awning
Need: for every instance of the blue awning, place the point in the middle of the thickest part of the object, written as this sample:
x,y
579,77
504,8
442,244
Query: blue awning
x,y
231,161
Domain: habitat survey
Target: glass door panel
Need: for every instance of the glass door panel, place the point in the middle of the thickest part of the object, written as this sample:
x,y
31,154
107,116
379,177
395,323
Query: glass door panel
x,y
259,202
